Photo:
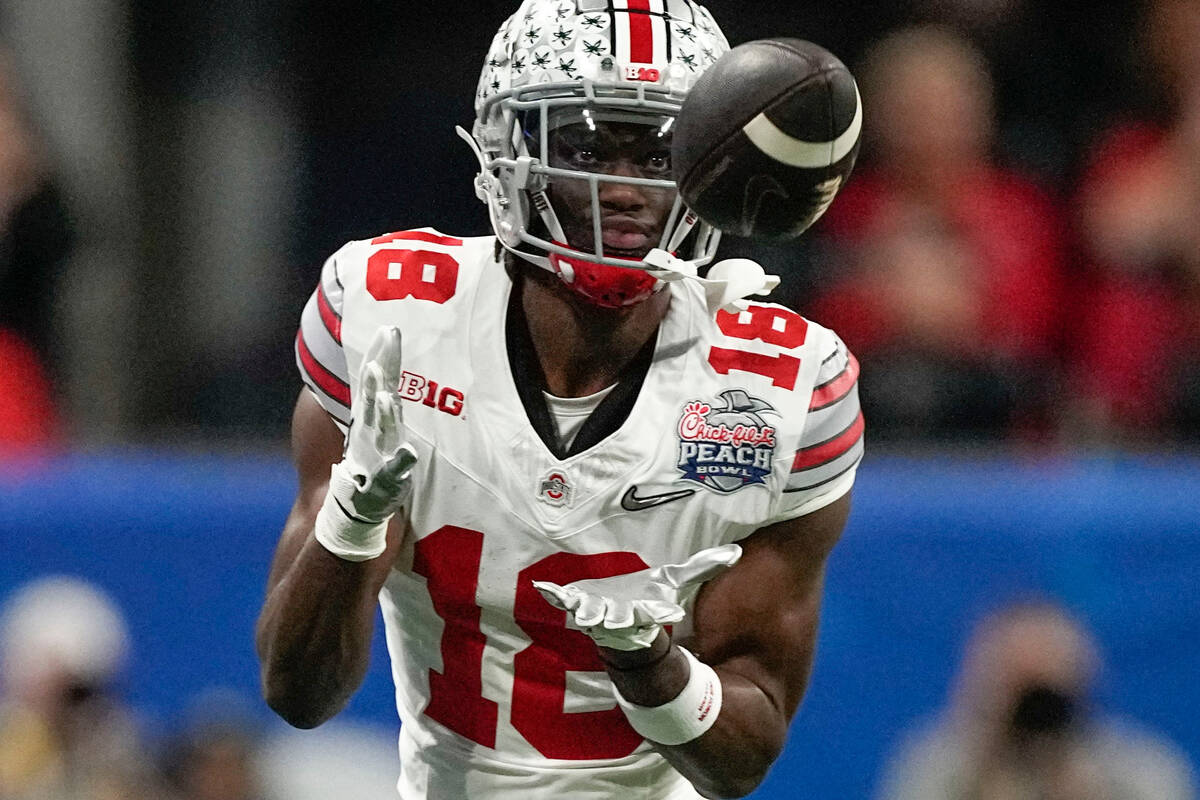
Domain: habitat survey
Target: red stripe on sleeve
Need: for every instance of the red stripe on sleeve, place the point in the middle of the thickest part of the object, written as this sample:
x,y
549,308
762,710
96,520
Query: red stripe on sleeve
x,y
641,32
325,380
417,236
830,449
836,388
333,323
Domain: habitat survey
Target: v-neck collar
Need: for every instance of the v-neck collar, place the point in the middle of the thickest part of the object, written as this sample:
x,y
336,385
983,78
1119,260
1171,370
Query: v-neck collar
x,y
530,381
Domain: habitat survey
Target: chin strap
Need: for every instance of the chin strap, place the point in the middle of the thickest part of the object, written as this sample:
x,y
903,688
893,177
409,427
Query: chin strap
x,y
727,284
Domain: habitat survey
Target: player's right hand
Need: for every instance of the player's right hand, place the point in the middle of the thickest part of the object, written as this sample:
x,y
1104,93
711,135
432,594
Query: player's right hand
x,y
372,481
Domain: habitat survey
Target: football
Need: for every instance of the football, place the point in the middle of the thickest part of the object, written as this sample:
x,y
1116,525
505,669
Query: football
x,y
766,138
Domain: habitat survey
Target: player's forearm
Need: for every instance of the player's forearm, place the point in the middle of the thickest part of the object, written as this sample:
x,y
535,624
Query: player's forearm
x,y
314,635
732,757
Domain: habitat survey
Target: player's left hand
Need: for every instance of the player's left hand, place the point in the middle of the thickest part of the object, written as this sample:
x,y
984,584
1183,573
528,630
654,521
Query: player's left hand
x,y
626,612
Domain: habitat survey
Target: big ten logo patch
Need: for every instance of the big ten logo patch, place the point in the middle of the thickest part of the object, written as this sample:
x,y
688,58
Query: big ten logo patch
x,y
727,445
420,389
648,74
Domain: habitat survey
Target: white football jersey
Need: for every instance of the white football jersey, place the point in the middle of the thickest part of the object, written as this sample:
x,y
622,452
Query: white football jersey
x,y
741,420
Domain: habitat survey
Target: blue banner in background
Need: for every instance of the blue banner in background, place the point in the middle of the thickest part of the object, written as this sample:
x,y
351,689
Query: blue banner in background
x,y
183,544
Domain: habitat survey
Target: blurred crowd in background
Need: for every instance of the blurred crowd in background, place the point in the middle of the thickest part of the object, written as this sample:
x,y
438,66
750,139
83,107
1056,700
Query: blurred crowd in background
x,y
984,302
1014,260
67,732
1020,723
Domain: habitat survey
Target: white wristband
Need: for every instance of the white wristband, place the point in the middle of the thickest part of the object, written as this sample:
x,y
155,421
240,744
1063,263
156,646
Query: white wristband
x,y
690,714
346,538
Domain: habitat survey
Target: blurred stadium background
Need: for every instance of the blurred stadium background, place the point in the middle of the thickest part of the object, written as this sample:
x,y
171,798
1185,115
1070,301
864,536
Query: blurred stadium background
x,y
173,174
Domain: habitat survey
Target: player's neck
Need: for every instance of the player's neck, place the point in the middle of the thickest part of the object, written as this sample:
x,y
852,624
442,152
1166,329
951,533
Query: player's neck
x,y
581,348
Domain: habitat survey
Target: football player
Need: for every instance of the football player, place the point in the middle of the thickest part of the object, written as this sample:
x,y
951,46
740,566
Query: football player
x,y
593,492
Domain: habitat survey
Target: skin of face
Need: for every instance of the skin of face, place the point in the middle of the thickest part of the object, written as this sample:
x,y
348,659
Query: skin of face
x,y
632,216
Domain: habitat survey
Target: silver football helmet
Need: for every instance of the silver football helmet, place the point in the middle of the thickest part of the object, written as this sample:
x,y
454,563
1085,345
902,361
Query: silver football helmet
x,y
557,68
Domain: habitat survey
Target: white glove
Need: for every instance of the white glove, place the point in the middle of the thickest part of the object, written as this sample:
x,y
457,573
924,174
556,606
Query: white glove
x,y
626,612
371,481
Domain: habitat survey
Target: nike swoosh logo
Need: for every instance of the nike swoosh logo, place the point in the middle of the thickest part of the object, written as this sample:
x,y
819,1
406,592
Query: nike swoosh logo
x,y
631,501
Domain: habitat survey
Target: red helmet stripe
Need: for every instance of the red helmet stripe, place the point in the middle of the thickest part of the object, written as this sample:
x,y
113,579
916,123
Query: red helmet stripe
x,y
641,32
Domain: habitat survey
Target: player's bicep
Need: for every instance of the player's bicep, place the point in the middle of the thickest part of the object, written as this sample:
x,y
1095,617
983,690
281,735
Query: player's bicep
x,y
317,444
759,619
